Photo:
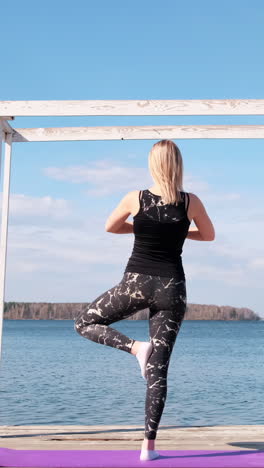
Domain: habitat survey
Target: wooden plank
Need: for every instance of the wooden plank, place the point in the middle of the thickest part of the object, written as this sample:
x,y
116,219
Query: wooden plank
x,y
129,437
134,107
138,133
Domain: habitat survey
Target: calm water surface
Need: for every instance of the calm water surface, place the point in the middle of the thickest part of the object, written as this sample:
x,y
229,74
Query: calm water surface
x,y
52,375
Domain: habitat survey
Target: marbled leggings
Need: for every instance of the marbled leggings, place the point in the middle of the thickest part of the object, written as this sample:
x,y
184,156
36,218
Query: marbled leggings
x,y
166,299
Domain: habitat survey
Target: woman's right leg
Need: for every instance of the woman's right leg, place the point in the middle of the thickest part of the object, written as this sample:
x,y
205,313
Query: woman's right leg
x,y
132,294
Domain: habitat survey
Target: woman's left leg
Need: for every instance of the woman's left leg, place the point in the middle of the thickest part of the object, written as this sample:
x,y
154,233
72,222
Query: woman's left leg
x,y
166,315
131,294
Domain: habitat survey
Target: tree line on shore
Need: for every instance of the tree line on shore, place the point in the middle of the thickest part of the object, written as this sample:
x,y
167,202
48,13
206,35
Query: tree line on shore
x,y
69,311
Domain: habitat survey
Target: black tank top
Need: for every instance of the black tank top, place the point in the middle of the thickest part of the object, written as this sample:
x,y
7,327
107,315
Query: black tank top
x,y
160,231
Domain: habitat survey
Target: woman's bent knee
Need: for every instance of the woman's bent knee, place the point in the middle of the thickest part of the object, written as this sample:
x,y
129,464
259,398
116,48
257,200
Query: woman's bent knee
x,y
77,326
79,323
84,319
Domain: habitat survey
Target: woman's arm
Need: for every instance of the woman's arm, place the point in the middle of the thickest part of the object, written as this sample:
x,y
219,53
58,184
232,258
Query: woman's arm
x,y
116,223
204,230
126,228
194,234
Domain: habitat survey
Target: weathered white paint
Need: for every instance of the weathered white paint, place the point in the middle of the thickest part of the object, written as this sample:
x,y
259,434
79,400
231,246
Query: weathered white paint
x,y
4,227
6,127
134,107
138,133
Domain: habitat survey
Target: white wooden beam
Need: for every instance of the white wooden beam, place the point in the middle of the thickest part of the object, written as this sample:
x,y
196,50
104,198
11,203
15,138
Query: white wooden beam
x,y
134,107
4,227
6,127
138,133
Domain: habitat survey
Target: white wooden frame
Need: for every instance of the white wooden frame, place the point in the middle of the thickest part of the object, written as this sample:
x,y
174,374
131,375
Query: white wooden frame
x,y
11,109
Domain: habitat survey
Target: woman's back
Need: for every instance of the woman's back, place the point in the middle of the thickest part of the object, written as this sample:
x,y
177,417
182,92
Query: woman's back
x,y
160,231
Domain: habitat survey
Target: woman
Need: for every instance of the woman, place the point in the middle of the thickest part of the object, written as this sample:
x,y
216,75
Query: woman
x,y
154,277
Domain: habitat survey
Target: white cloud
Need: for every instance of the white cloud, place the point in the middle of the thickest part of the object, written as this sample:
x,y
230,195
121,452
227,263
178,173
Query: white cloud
x,y
104,178
231,274
55,249
223,196
228,249
107,177
257,263
25,205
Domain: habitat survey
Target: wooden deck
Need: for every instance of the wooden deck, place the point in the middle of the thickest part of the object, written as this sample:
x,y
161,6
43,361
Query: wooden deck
x,y
120,437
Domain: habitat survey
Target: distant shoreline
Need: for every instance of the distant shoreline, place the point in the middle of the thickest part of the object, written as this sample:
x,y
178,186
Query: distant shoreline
x,y
70,311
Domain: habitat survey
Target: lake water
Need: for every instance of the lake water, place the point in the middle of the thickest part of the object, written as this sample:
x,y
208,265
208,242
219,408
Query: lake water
x,y
52,375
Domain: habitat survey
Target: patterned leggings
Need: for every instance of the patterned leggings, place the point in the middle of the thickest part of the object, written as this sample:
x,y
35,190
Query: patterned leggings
x,y
166,299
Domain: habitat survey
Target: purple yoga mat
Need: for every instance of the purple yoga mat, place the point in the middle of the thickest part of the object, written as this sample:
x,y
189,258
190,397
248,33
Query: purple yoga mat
x,y
130,458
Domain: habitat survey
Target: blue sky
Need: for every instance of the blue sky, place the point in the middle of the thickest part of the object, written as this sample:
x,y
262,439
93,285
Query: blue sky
x,y
62,192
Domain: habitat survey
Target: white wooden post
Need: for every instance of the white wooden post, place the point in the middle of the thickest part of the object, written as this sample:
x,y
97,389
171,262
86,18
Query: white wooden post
x,y
2,138
4,225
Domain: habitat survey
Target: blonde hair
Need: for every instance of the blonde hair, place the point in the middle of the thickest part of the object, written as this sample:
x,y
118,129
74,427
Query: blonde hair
x,y
166,168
